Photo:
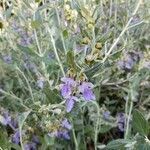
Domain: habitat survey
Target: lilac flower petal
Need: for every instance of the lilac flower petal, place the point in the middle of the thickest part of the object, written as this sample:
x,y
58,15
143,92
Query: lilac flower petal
x,y
65,90
88,84
69,104
69,81
66,135
129,63
13,124
3,121
16,137
30,146
85,85
121,127
106,115
121,121
121,117
7,59
35,139
5,118
88,95
63,134
86,89
40,83
66,124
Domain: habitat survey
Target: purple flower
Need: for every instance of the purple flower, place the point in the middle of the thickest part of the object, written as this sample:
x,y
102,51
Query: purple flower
x,y
30,146
13,124
126,64
130,60
25,41
31,66
121,121
7,59
65,124
70,103
86,90
35,139
129,63
121,127
26,38
68,81
106,115
5,119
63,134
63,131
40,83
69,91
60,134
67,87
66,90
16,137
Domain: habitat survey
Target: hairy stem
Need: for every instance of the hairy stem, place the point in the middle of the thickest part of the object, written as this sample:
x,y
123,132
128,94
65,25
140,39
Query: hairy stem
x,y
28,84
55,51
75,139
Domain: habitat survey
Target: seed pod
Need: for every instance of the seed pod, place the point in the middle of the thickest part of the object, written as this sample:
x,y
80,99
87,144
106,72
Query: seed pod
x,y
86,40
98,45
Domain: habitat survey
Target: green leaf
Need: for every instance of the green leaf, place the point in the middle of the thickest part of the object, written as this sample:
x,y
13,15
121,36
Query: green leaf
x,y
35,24
21,121
3,138
65,34
70,59
140,124
117,144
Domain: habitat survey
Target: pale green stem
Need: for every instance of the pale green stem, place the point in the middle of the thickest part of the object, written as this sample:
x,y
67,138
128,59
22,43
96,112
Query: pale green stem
x,y
116,10
97,124
55,51
37,41
93,41
110,10
128,120
38,45
62,38
126,112
30,90
75,139
135,25
83,131
21,141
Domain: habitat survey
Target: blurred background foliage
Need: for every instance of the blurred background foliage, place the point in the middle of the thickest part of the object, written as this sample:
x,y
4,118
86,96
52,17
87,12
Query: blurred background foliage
x,y
43,40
